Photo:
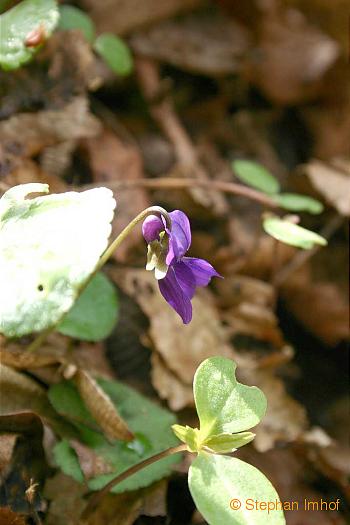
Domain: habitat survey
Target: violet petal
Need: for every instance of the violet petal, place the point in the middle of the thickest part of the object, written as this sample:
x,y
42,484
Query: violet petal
x,y
180,236
201,270
151,228
175,296
185,278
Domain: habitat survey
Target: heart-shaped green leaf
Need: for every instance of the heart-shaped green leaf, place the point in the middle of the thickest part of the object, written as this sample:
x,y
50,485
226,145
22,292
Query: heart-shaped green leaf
x,y
150,424
48,247
255,175
295,202
94,314
225,490
23,29
223,404
292,234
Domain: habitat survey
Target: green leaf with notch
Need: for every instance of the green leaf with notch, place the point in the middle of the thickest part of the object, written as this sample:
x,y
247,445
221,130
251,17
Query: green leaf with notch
x,y
49,246
255,175
219,483
223,404
21,26
295,202
150,423
72,17
115,53
95,313
67,459
292,234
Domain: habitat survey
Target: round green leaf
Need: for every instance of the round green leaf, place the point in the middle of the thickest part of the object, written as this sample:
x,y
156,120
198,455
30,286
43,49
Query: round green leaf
x,y
115,53
94,314
67,459
224,405
48,247
74,18
225,489
29,21
150,424
292,234
255,175
295,202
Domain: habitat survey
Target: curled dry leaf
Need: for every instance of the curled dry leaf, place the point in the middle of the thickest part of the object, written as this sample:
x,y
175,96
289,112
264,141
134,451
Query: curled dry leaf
x,y
209,44
101,407
332,183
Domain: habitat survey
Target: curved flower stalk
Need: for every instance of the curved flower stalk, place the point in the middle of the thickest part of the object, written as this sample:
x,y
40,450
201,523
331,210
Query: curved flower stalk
x,y
178,276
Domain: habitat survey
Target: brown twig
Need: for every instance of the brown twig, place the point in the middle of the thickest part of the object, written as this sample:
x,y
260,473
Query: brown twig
x,y
96,498
180,183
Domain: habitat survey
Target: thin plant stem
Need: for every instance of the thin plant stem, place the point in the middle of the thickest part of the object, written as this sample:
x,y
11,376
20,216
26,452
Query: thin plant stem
x,y
181,183
152,210
96,498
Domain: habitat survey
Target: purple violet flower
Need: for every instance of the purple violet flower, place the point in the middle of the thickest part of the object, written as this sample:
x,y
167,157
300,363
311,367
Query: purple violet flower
x,y
178,276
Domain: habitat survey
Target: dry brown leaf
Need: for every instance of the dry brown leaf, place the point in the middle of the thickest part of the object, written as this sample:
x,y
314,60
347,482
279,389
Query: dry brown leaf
x,y
30,133
122,17
101,407
91,463
250,311
116,509
112,160
9,517
154,501
66,500
328,316
293,57
21,393
182,348
204,43
24,171
169,387
332,183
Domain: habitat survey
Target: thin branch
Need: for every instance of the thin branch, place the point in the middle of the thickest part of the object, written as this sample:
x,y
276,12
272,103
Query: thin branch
x,y
180,183
96,498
